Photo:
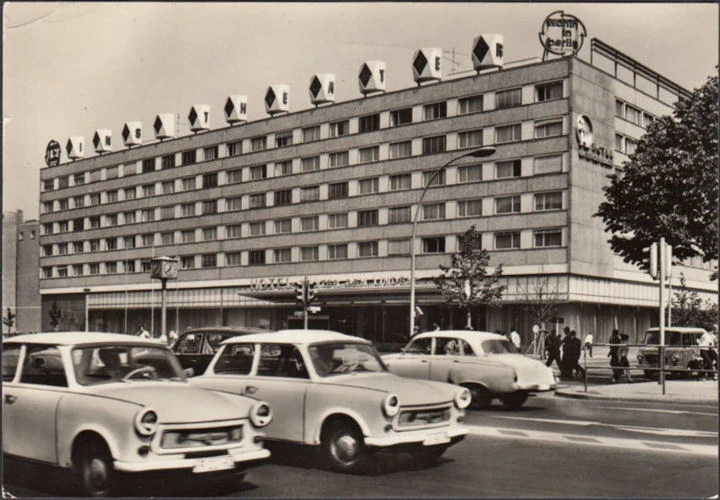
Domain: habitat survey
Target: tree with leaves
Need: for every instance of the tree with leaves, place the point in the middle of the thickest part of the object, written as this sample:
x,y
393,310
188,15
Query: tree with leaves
x,y
9,319
669,188
56,317
466,282
688,309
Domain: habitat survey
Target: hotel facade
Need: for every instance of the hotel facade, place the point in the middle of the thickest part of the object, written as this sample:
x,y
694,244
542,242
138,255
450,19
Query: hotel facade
x,y
330,193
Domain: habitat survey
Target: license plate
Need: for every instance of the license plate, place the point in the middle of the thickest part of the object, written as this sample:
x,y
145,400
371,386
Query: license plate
x,y
436,439
214,463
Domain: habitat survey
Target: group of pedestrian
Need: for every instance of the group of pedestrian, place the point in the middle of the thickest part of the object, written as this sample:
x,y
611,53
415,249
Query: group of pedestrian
x,y
566,351
168,339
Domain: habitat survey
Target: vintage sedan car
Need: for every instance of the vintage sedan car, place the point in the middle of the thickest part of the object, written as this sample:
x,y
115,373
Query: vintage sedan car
x,y
682,351
333,391
197,346
486,363
104,404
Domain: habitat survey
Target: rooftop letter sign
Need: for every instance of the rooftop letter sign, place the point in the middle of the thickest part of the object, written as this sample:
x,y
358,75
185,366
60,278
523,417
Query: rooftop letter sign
x,y
52,153
562,34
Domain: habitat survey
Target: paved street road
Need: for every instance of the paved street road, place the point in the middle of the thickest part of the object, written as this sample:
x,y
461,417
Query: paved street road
x,y
552,447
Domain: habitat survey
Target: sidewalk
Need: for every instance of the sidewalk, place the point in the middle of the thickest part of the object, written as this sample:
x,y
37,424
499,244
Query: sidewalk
x,y
703,392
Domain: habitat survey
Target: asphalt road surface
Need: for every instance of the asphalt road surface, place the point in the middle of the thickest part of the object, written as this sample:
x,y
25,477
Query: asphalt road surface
x,y
552,447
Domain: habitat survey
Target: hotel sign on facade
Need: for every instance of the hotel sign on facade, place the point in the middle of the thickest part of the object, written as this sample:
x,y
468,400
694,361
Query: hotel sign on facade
x,y
339,283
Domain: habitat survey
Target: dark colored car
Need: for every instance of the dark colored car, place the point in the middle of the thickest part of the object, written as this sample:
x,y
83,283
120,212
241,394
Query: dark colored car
x,y
196,347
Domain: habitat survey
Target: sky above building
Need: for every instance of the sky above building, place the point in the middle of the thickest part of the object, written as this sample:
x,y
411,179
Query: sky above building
x,y
70,69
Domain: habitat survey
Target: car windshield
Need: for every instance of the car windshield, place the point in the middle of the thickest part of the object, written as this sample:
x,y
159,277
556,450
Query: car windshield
x,y
344,357
124,363
499,346
673,338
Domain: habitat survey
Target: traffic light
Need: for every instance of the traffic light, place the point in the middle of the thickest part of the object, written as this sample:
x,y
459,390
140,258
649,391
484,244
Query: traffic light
x,y
311,292
300,292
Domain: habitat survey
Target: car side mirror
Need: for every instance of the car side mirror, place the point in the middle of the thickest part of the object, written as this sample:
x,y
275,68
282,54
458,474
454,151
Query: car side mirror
x,y
189,372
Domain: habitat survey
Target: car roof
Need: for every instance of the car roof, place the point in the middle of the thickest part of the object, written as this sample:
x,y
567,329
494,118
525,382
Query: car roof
x,y
297,337
80,338
468,335
681,329
230,330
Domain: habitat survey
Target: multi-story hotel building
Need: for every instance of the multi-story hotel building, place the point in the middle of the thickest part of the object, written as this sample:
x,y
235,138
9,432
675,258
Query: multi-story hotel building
x,y
329,193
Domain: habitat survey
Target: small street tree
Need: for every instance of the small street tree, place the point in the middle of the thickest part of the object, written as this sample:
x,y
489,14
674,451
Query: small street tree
x,y
669,188
688,309
9,319
541,299
56,317
466,282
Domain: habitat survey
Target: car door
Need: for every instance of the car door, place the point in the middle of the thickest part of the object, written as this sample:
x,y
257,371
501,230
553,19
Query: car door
x,y
414,362
447,355
282,381
30,403
188,350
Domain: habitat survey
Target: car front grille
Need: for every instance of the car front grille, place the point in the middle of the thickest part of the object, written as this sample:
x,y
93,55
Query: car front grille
x,y
184,438
418,418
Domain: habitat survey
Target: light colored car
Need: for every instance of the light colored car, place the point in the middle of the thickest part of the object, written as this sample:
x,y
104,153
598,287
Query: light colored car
x,y
104,404
682,351
332,390
488,364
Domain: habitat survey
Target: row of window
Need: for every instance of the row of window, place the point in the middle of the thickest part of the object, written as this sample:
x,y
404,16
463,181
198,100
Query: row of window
x,y
469,173
546,201
506,240
625,144
369,123
633,114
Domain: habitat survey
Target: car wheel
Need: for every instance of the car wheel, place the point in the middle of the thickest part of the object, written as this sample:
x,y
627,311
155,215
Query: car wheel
x,y
515,400
428,455
95,466
344,447
481,397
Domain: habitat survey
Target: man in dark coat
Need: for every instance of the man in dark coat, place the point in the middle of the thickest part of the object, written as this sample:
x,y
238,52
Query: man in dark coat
x,y
571,355
552,346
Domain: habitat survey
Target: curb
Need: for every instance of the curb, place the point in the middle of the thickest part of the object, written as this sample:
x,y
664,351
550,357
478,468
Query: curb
x,y
644,398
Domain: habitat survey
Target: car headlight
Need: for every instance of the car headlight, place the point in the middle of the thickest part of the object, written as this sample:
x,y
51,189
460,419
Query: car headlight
x,y
391,405
463,398
260,414
146,422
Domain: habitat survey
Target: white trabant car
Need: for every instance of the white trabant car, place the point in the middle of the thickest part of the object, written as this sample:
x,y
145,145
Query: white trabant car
x,y
104,404
488,364
332,390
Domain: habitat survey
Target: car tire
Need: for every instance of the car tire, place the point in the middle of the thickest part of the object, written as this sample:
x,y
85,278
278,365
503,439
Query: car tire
x,y
96,470
481,397
343,447
514,400
428,455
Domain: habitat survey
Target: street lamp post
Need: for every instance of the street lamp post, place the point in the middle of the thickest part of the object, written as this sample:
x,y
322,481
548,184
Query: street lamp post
x,y
477,153
86,291
163,268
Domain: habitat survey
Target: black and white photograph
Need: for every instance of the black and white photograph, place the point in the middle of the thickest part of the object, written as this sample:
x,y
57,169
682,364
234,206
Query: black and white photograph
x,y
360,249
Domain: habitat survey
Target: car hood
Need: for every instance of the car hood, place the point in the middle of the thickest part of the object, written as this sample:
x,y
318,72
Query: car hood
x,y
179,402
409,391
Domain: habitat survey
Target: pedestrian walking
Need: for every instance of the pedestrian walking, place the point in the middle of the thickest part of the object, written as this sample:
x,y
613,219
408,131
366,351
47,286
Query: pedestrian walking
x,y
552,346
623,354
587,344
571,355
614,356
709,354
